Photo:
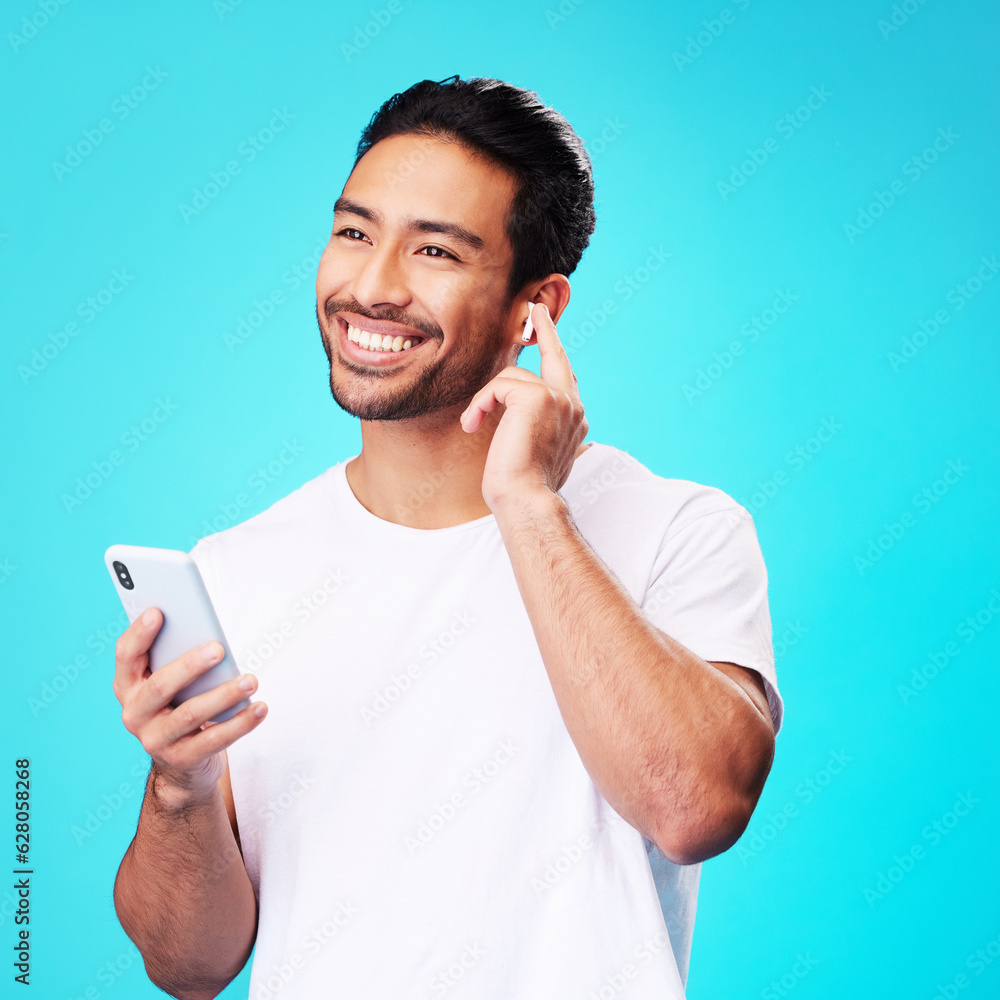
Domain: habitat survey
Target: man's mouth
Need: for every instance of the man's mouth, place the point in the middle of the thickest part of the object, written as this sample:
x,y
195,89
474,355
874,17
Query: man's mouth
x,y
379,343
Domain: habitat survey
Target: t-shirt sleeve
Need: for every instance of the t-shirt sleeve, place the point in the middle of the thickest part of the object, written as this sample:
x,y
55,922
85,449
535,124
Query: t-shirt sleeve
x,y
708,590
201,553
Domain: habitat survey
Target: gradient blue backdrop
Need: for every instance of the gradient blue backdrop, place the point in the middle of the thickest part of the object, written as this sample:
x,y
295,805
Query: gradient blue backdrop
x,y
859,425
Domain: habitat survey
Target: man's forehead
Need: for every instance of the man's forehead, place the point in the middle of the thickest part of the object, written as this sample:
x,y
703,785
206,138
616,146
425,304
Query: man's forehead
x,y
432,186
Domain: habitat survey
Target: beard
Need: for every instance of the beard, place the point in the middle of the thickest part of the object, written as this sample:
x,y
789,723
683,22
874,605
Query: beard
x,y
372,393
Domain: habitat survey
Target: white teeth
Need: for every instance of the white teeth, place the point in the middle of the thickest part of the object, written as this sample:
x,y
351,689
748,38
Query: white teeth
x,y
376,341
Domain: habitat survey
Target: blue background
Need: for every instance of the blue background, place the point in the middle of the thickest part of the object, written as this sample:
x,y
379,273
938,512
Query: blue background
x,y
673,110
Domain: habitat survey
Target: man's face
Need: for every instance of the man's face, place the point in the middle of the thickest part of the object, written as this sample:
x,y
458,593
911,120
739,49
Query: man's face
x,y
418,250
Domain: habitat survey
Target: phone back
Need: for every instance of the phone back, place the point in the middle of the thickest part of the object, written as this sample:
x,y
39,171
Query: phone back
x,y
168,579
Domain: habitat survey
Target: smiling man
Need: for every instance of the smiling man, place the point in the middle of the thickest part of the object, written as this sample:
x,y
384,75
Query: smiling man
x,y
518,686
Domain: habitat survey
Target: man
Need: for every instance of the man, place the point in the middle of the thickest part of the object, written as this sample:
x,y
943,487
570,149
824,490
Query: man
x,y
518,686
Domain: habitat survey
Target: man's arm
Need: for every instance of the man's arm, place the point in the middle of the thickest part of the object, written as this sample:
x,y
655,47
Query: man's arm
x,y
676,745
182,893
679,746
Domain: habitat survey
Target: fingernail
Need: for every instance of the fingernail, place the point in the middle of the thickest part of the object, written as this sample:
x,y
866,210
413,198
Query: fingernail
x,y
148,616
260,711
247,682
210,652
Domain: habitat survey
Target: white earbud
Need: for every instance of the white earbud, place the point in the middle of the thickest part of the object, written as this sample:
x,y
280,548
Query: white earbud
x,y
528,327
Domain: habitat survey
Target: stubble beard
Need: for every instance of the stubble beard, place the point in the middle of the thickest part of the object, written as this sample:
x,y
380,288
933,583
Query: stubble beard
x,y
369,393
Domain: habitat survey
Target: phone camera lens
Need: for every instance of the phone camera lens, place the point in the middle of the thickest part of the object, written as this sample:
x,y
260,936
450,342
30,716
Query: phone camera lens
x,y
123,575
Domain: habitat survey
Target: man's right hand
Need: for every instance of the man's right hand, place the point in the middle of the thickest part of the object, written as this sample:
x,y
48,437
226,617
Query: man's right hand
x,y
187,754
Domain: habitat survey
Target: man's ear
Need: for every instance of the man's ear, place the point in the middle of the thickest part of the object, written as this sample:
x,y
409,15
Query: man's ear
x,y
552,290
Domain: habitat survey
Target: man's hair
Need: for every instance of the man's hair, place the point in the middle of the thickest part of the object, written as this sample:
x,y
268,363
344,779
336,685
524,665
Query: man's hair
x,y
551,216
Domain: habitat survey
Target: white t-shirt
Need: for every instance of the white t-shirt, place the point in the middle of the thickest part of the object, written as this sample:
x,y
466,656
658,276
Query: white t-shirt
x,y
414,817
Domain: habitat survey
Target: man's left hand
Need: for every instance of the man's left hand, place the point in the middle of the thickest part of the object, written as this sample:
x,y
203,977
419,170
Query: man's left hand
x,y
543,425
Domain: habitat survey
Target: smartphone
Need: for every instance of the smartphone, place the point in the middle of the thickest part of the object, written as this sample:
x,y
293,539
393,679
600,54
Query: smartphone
x,y
168,579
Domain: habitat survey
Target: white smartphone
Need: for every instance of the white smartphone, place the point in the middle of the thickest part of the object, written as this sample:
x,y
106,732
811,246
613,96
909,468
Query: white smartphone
x,y
168,579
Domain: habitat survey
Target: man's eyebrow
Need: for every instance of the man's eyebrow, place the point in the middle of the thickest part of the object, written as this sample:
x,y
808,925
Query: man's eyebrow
x,y
452,229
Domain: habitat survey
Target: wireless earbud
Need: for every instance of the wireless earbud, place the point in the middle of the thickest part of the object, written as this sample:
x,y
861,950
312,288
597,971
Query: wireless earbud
x,y
528,327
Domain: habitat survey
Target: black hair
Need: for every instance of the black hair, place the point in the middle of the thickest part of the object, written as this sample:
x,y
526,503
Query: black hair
x,y
551,217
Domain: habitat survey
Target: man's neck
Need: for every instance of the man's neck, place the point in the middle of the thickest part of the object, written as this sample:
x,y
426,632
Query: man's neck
x,y
423,473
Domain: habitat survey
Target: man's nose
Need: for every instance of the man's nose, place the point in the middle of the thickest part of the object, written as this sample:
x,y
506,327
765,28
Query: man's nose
x,y
381,279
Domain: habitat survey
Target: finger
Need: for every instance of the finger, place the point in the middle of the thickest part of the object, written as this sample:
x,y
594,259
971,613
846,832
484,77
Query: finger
x,y
493,394
132,651
187,752
188,717
510,372
515,371
157,691
554,365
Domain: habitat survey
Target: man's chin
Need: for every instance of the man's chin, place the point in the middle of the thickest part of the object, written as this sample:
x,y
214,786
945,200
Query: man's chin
x,y
382,407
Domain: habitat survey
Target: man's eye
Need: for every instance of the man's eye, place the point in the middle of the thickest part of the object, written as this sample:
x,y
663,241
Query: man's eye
x,y
440,252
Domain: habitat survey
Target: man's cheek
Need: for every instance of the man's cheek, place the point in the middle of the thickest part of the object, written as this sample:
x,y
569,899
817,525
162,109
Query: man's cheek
x,y
444,294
